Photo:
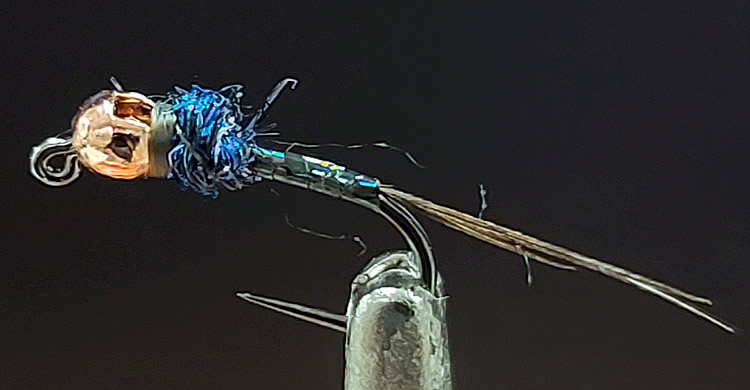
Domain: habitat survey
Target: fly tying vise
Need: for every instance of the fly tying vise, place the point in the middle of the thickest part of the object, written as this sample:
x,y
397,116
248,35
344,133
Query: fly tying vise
x,y
204,140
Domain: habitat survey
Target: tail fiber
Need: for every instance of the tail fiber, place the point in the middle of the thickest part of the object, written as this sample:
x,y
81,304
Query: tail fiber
x,y
550,254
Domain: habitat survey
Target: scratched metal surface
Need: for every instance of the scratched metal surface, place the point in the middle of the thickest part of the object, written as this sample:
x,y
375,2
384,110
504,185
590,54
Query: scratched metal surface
x,y
397,335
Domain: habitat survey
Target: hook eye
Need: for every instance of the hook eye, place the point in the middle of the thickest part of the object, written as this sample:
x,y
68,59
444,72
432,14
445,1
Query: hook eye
x,y
54,162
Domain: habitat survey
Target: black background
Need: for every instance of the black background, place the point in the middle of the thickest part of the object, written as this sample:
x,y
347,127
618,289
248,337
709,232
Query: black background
x,y
620,130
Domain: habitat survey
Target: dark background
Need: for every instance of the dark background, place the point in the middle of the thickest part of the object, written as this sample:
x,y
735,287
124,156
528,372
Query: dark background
x,y
619,130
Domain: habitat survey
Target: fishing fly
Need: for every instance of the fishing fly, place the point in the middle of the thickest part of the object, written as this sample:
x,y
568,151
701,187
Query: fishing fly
x,y
207,141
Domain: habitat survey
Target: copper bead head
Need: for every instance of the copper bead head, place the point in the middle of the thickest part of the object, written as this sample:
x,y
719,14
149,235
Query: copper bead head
x,y
111,134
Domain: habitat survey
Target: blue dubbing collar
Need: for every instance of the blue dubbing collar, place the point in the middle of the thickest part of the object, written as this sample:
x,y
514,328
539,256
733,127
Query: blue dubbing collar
x,y
214,140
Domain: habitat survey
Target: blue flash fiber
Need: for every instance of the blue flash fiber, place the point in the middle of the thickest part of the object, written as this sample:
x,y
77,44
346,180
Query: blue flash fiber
x,y
214,145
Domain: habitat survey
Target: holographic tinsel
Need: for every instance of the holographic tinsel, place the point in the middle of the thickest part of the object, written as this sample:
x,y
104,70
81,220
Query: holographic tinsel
x,y
214,140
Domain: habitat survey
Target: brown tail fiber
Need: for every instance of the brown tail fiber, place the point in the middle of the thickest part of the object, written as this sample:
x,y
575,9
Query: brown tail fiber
x,y
548,253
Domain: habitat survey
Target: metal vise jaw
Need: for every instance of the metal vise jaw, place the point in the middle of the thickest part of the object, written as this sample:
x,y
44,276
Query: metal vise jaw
x,y
396,331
